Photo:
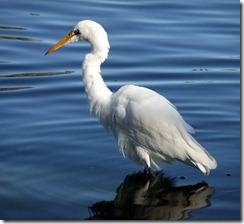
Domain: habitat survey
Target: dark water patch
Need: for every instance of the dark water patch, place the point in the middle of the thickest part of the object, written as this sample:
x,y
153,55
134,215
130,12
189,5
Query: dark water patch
x,y
4,62
6,89
12,28
19,38
38,74
34,14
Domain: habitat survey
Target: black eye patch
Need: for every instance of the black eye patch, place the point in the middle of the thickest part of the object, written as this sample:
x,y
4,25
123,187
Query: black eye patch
x,y
74,32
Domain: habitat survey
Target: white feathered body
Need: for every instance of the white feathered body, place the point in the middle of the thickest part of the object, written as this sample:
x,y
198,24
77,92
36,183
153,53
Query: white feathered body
x,y
148,128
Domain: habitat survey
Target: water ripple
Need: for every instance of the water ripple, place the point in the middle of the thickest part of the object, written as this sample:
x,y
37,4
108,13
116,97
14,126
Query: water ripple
x,y
55,156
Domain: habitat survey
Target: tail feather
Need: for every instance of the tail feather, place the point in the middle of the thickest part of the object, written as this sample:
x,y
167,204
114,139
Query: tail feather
x,y
202,160
199,157
204,169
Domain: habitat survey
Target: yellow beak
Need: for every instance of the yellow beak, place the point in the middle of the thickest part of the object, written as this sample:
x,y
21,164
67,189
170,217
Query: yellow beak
x,y
62,42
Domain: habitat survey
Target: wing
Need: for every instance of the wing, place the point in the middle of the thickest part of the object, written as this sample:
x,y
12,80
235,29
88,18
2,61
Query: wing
x,y
149,120
146,121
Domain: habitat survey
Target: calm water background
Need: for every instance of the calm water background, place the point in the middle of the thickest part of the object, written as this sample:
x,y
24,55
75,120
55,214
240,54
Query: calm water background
x,y
56,160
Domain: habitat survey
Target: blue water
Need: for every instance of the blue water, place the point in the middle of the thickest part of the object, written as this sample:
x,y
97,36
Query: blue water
x,y
56,160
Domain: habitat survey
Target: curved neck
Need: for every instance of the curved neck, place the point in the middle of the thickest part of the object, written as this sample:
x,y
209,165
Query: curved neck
x,y
99,95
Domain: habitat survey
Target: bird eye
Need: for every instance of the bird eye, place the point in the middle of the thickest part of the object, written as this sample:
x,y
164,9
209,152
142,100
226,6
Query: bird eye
x,y
76,32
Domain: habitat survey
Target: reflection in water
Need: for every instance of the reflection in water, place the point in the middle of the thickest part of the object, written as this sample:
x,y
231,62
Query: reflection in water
x,y
34,14
4,62
32,74
16,37
19,38
141,197
13,88
12,28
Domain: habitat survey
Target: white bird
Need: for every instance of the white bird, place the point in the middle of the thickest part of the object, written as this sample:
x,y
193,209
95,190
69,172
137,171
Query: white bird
x,y
148,128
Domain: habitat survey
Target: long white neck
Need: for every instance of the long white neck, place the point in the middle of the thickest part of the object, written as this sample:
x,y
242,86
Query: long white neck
x,y
99,95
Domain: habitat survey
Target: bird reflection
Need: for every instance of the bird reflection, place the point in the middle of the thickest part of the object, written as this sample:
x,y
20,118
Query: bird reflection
x,y
143,197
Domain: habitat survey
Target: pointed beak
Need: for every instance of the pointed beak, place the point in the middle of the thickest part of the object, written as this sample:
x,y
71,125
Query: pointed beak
x,y
62,42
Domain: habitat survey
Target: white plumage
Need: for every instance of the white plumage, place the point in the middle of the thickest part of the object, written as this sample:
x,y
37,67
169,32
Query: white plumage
x,y
148,128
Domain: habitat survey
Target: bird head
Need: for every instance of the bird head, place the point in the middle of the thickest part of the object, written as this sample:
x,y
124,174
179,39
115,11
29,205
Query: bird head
x,y
84,30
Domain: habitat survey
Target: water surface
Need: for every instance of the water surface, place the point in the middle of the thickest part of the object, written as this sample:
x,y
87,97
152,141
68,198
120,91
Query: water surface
x,y
56,160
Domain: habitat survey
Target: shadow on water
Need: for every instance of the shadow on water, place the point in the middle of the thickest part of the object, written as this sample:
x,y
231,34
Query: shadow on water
x,y
141,197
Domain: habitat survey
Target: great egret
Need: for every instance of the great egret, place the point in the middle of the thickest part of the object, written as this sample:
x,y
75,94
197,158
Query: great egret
x,y
148,128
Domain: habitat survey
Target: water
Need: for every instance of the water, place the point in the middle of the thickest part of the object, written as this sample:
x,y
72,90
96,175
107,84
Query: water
x,y
57,161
